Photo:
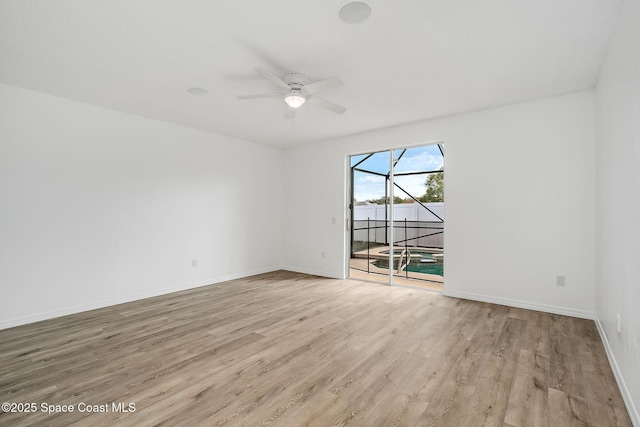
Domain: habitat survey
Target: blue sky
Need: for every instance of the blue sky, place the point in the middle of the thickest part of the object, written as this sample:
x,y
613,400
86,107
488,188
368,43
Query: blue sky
x,y
369,186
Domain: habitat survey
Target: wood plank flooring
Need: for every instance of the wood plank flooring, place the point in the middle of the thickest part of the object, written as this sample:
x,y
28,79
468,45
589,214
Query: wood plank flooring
x,y
288,349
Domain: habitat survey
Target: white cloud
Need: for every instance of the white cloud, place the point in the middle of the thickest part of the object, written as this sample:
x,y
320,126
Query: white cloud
x,y
413,184
420,162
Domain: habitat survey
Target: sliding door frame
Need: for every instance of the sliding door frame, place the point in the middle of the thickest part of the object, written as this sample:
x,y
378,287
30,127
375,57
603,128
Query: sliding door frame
x,y
349,207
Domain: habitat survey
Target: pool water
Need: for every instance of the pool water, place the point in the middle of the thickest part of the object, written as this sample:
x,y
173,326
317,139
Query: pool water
x,y
427,264
437,269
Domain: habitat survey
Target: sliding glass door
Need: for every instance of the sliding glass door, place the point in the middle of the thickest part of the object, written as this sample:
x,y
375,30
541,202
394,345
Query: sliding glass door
x,y
397,216
370,212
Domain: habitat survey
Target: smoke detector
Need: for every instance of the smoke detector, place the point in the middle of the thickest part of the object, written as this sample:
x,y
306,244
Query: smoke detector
x,y
354,11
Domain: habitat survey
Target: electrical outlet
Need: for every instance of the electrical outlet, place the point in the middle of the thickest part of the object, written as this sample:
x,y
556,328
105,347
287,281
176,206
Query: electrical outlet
x,y
230,257
194,262
618,323
322,255
560,280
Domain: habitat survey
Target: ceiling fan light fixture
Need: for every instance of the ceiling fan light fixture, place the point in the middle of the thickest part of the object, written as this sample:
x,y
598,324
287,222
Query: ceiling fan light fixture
x,y
295,99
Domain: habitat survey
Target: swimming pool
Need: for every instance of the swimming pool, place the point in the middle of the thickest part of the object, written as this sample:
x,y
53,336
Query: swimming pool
x,y
427,263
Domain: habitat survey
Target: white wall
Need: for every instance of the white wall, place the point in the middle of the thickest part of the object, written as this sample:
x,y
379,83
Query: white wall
x,y
522,160
618,203
99,207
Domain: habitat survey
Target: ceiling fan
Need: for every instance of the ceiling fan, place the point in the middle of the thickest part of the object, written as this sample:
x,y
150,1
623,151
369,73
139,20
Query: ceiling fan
x,y
296,90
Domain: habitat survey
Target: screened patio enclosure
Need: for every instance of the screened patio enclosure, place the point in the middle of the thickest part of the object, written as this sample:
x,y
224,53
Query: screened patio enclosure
x,y
397,212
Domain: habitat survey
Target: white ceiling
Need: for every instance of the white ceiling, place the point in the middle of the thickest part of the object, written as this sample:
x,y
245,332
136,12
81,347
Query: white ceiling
x,y
412,60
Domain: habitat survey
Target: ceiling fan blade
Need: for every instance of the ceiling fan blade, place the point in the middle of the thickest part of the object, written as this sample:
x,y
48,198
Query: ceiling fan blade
x,y
327,104
275,79
322,84
260,95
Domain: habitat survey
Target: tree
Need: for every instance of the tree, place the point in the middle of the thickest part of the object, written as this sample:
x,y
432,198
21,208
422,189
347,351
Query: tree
x,y
435,188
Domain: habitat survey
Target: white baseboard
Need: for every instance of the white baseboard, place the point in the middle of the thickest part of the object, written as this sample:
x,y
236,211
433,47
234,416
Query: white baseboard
x,y
9,323
565,311
624,391
312,272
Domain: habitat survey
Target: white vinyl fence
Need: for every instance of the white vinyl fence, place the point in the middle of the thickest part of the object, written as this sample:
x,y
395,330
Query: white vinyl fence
x,y
413,224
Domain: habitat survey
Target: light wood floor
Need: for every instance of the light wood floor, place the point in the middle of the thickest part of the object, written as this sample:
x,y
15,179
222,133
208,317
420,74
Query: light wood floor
x,y
398,281
289,349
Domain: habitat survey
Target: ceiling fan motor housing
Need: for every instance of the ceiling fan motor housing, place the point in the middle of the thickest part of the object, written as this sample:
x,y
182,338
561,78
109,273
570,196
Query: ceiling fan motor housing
x,y
295,80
